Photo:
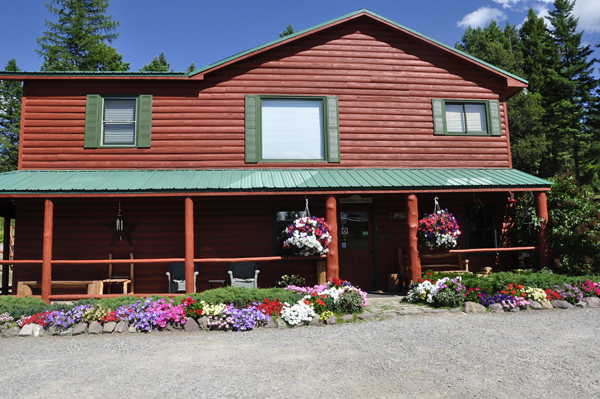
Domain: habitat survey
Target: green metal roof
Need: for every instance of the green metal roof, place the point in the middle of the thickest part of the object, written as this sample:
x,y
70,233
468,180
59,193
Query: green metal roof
x,y
352,14
43,182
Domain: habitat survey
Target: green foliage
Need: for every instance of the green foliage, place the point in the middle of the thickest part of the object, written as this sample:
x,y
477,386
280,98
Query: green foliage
x,y
11,93
242,297
349,303
24,306
498,281
191,68
288,31
80,39
115,302
574,228
294,279
158,64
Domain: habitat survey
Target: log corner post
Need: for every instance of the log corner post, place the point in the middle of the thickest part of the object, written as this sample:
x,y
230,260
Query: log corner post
x,y
47,250
412,220
6,255
542,212
333,267
189,246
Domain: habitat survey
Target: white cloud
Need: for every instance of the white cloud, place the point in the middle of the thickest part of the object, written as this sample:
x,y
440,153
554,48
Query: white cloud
x,y
588,12
542,12
481,17
507,3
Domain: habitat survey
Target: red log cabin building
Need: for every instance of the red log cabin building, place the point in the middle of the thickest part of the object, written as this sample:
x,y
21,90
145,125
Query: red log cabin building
x,y
365,118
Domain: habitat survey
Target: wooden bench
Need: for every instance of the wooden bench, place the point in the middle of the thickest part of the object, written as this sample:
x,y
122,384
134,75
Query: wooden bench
x,y
94,287
448,263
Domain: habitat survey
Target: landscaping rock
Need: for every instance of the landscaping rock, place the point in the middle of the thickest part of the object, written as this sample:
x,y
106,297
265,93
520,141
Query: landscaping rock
x,y
11,332
497,308
132,329
515,309
581,304
547,305
95,328
330,321
202,323
38,331
348,317
53,330
280,323
592,302
67,332
435,311
562,304
316,321
109,327
472,307
389,315
535,305
271,323
122,326
26,331
174,326
190,325
455,310
366,316
80,328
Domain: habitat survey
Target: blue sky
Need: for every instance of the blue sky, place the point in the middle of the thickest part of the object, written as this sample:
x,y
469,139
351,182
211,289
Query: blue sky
x,y
207,31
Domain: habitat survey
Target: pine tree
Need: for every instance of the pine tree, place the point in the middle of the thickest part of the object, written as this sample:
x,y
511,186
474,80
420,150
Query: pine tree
x,y
567,103
158,64
288,31
11,93
80,39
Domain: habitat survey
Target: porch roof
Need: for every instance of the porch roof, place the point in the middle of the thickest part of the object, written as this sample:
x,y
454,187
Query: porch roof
x,y
144,181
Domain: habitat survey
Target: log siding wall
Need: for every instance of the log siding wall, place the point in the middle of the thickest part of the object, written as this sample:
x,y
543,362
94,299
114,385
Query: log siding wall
x,y
384,80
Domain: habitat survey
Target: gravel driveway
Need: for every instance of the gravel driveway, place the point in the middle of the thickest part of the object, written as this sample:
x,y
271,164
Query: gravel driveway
x,y
532,354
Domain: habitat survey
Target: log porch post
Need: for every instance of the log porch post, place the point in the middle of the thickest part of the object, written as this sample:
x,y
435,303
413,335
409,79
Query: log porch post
x,y
189,245
6,255
333,267
542,212
47,250
412,221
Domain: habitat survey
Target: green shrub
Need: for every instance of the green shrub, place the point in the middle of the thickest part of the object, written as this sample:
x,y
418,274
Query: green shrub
x,y
115,302
574,229
24,306
242,297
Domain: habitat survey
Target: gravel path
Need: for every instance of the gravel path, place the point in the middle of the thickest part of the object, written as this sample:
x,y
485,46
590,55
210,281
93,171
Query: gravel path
x,y
533,354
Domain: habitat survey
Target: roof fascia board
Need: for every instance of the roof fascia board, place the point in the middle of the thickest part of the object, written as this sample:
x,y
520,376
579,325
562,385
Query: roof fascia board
x,y
21,75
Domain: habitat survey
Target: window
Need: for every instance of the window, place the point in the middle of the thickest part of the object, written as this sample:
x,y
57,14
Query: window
x,y
291,129
118,121
466,117
482,226
282,218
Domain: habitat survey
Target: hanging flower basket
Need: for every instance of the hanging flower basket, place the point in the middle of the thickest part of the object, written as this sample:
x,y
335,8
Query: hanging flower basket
x,y
438,230
307,236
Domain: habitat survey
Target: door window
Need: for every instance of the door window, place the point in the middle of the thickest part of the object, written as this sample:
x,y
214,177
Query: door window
x,y
354,230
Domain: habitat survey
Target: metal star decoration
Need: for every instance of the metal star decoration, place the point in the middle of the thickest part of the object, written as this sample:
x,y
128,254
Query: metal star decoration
x,y
121,235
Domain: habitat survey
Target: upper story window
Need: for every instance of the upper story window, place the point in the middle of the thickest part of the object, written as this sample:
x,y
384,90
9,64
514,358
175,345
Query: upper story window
x,y
466,117
291,129
118,121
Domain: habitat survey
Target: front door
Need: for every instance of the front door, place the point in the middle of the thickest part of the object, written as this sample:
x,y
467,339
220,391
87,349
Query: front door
x,y
356,247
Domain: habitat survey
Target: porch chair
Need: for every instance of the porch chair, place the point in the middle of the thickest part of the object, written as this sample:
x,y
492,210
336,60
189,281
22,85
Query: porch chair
x,y
125,280
244,274
176,277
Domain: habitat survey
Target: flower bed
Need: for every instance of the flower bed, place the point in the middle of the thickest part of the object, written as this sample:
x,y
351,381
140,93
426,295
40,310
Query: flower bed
x,y
319,302
439,290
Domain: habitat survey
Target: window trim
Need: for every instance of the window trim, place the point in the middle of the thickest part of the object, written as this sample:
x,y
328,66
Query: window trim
x,y
253,129
94,118
492,117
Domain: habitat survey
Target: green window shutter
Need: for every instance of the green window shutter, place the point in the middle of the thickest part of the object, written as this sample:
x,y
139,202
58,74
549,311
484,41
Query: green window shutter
x,y
333,130
144,122
496,124
93,121
438,115
251,122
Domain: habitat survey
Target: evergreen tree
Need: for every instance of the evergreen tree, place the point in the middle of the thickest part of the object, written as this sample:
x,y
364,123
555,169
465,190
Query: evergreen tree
x,y
567,103
80,39
191,68
288,31
11,93
158,64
